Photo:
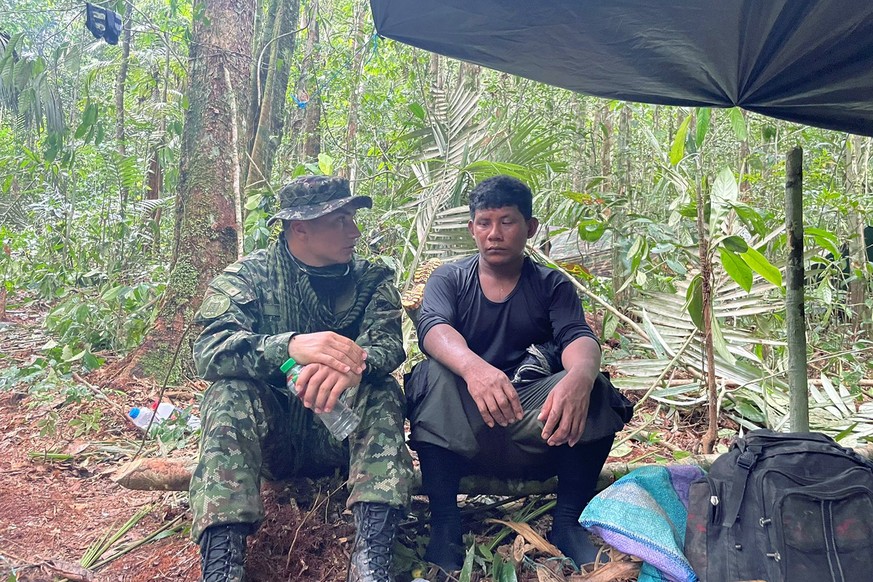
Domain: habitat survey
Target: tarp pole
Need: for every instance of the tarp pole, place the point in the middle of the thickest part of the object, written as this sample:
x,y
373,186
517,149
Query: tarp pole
x,y
798,400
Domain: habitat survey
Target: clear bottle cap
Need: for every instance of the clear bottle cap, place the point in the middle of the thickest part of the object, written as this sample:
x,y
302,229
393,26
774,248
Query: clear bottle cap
x,y
289,363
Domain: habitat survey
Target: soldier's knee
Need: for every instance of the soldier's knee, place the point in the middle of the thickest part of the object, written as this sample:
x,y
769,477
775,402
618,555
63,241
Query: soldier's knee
x,y
229,394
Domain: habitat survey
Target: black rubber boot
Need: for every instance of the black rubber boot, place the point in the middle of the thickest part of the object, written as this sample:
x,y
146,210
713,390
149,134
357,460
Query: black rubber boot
x,y
376,527
578,470
223,553
441,477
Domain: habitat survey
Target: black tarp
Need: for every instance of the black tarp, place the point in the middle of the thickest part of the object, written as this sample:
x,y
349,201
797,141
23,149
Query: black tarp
x,y
808,61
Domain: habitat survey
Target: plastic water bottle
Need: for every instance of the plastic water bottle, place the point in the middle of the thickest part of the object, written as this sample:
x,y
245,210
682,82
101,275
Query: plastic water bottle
x,y
165,410
141,417
341,421
161,412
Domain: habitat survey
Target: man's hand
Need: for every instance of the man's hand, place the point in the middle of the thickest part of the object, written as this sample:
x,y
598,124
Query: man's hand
x,y
330,349
494,395
319,386
565,412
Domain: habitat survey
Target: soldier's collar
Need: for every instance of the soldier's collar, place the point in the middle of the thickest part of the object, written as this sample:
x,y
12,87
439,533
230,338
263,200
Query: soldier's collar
x,y
329,272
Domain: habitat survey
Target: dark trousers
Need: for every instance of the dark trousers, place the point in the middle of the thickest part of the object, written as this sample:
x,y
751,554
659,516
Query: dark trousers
x,y
443,414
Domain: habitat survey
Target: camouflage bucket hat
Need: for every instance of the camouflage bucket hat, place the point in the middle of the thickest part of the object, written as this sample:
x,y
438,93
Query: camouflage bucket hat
x,y
309,197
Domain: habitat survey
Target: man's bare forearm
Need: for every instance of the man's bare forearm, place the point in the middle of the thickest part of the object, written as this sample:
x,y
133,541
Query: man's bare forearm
x,y
449,348
581,359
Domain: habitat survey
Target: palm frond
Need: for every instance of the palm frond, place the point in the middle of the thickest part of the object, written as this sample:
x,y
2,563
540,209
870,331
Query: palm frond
x,y
147,207
440,170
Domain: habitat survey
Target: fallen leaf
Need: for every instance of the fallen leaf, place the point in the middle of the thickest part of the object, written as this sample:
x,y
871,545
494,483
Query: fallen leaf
x,y
529,535
546,575
609,572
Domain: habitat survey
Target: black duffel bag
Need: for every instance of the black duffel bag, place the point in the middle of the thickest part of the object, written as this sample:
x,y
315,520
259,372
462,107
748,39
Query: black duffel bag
x,y
783,507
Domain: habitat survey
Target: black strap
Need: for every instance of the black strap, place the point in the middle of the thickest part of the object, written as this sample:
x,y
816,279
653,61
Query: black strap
x,y
745,462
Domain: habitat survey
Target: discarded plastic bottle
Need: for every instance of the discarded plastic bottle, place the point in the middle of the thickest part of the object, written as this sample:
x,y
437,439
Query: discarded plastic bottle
x,y
341,421
161,412
141,417
165,410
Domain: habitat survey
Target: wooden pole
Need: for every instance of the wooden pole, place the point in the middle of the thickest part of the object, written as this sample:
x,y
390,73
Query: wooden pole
x,y
798,400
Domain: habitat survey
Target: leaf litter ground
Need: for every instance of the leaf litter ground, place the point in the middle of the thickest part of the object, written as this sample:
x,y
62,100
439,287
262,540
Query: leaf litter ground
x,y
57,499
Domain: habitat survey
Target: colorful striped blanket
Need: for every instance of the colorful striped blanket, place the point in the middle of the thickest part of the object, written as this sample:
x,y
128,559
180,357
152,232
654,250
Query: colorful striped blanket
x,y
643,514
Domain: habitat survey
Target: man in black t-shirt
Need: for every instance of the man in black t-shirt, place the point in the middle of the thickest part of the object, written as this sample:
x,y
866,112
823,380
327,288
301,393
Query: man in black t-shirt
x,y
511,386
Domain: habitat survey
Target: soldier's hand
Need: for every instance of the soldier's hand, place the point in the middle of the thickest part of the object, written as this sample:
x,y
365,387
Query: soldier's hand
x,y
328,348
319,386
565,412
494,395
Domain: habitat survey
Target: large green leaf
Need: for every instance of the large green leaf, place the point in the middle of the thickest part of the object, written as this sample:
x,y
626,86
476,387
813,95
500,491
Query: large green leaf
x,y
719,343
677,151
722,198
762,266
694,301
736,267
703,116
826,240
738,123
735,244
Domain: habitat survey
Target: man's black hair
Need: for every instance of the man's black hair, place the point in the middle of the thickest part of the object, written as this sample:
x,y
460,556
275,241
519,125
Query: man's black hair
x,y
501,191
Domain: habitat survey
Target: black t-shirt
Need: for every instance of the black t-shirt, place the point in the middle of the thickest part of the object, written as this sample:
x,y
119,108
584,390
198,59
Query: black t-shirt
x,y
543,307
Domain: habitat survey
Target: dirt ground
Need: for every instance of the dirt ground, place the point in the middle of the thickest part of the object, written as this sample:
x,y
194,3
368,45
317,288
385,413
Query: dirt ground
x,y
57,498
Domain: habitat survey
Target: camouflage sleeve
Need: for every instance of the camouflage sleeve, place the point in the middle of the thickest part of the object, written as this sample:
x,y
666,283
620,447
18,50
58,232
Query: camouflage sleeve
x,y
229,345
381,330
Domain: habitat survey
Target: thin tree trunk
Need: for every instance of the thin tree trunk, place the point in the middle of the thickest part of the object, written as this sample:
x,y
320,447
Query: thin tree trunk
x,y
744,152
155,176
350,167
435,72
312,112
277,52
206,230
856,171
265,13
580,120
711,435
7,252
798,396
120,82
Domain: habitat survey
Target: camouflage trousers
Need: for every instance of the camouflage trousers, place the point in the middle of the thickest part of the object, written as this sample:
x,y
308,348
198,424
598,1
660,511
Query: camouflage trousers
x,y
252,430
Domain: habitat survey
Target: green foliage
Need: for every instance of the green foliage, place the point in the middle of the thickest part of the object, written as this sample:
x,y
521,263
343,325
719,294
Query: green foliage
x,y
677,151
86,423
736,267
413,132
108,317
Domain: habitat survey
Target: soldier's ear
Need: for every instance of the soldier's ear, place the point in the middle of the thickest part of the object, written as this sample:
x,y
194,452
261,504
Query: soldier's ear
x,y
295,228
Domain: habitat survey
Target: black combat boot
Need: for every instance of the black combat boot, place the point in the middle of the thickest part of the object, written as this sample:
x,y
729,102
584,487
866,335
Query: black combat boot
x,y
376,527
223,553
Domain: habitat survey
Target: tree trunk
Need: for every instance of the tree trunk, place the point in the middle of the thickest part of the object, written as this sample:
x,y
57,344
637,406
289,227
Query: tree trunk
x,y
175,474
206,234
709,438
7,252
743,154
155,174
312,111
350,167
275,56
120,82
795,320
856,183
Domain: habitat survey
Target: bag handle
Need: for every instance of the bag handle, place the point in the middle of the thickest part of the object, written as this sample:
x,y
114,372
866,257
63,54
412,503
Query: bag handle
x,y
745,463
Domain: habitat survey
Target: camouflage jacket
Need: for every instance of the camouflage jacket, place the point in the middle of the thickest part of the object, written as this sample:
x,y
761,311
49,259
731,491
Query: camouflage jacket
x,y
244,335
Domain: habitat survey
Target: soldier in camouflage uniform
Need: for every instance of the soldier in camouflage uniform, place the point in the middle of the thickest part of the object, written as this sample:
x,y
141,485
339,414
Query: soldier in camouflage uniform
x,y
307,298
